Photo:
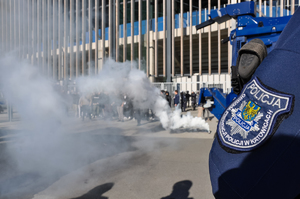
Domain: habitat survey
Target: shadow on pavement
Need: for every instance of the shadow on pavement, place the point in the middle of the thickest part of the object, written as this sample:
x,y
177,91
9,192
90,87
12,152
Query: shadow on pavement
x,y
97,192
180,190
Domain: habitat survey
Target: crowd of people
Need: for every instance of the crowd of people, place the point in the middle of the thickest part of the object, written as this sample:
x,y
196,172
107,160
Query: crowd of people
x,y
185,99
120,107
103,105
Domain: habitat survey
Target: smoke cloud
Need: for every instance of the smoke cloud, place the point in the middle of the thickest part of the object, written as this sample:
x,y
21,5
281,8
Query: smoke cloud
x,y
45,148
121,78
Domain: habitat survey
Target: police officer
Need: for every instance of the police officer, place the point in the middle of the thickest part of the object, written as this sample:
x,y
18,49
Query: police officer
x,y
257,147
193,97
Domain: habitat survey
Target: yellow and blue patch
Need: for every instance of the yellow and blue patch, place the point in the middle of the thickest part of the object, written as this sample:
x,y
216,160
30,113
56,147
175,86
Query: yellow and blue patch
x,y
253,117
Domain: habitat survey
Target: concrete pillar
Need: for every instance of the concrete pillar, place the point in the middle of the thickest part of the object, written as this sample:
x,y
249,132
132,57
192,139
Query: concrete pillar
x,y
21,10
164,38
292,6
103,33
191,37
110,29
181,38
229,50
209,41
38,35
152,57
49,37
200,38
83,37
270,8
156,38
90,62
117,29
173,38
140,35
72,34
219,42
60,60
33,19
147,34
125,29
44,35
77,38
29,50
96,34
132,32
2,8
54,52
281,7
16,13
65,39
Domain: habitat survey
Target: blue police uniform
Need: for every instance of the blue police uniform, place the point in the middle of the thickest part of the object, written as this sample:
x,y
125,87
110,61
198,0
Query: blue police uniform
x,y
256,152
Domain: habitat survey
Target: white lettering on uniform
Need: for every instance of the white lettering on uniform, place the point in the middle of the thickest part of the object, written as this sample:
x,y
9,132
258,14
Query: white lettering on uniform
x,y
277,103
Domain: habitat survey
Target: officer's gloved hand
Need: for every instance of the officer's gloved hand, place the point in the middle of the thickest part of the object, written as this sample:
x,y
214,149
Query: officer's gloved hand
x,y
249,58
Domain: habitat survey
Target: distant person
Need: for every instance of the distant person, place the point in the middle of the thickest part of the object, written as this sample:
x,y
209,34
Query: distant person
x,y
187,96
176,99
120,107
76,107
183,101
194,100
85,104
168,98
96,104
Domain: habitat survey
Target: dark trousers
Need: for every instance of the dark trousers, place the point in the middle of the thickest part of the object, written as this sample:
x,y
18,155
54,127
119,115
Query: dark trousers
x,y
137,115
85,111
183,106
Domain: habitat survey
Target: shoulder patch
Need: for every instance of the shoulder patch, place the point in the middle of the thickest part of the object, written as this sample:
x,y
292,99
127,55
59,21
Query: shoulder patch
x,y
253,117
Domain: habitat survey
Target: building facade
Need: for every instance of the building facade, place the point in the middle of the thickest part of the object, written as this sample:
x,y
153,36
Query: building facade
x,y
71,38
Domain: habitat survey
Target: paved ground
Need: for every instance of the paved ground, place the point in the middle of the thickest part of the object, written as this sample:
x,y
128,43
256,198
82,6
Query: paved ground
x,y
107,159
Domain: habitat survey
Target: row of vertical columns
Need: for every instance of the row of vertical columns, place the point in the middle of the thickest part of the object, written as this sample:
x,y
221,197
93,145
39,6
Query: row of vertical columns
x,y
48,16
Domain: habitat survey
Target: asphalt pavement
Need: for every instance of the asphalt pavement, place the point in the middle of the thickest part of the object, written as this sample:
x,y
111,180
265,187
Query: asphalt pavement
x,y
106,159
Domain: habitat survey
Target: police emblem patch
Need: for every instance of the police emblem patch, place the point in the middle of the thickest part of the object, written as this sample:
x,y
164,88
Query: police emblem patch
x,y
249,121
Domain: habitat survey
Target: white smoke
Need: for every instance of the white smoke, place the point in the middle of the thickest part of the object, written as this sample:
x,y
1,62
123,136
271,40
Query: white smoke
x,y
121,78
44,149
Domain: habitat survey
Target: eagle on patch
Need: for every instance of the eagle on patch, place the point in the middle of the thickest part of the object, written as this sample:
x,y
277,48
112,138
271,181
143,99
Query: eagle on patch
x,y
252,113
